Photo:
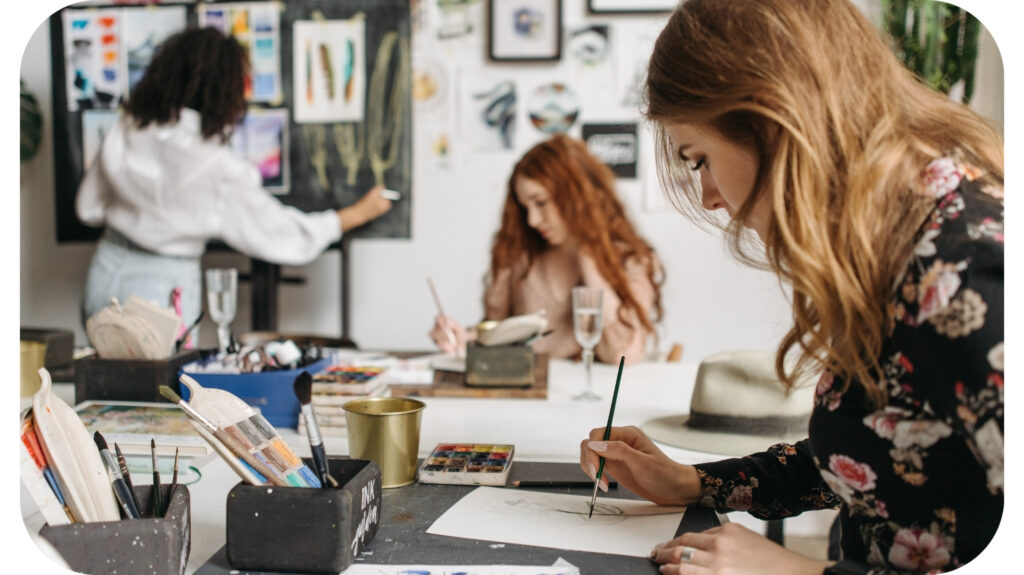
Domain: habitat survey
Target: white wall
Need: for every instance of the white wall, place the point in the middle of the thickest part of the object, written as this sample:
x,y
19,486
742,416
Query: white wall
x,y
711,303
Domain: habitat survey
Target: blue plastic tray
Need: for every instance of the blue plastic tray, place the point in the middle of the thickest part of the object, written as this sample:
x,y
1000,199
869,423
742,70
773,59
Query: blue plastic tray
x,y
270,391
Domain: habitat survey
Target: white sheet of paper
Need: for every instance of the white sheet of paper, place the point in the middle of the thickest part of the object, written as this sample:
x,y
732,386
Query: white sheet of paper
x,y
619,526
556,569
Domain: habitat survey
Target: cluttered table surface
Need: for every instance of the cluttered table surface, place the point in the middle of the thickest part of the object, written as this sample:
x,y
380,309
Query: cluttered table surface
x,y
542,430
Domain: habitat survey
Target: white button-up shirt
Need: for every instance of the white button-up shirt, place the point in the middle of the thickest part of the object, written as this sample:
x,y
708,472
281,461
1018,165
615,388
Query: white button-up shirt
x,y
170,191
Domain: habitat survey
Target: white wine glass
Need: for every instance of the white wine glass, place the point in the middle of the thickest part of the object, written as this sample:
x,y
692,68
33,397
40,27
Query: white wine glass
x,y
221,302
586,322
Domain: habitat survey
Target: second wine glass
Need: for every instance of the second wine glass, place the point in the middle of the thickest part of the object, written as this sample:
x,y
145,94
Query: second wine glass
x,y
587,303
221,302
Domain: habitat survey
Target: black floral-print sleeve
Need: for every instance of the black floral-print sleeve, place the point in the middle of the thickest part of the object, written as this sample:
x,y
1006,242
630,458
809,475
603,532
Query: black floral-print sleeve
x,y
780,482
958,348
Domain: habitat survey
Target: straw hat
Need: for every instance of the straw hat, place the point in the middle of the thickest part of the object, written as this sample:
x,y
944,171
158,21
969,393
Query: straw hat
x,y
738,407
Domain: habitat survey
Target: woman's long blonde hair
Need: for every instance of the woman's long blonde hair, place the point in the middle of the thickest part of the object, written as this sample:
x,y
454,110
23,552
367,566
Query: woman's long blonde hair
x,y
841,130
583,190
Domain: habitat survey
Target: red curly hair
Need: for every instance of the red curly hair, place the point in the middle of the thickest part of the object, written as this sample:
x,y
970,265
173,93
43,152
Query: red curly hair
x,y
583,190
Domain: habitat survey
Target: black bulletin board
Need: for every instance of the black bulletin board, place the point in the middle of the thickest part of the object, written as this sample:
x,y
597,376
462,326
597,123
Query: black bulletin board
x,y
382,18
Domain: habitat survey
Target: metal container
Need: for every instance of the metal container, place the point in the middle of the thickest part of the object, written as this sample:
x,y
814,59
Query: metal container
x,y
386,430
33,355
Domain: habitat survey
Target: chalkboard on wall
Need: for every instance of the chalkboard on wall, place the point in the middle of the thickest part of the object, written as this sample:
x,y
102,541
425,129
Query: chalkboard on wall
x,y
330,165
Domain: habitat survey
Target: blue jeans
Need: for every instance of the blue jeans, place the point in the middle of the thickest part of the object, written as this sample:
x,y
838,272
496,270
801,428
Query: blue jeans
x,y
121,268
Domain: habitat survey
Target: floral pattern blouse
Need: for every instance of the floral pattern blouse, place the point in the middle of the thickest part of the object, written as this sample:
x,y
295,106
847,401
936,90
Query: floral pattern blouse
x,y
919,483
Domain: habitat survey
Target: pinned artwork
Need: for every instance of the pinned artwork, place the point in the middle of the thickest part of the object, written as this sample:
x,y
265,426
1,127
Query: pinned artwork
x,y
96,124
589,46
262,138
458,19
329,63
488,105
525,30
94,63
144,31
614,144
430,90
553,108
256,26
634,45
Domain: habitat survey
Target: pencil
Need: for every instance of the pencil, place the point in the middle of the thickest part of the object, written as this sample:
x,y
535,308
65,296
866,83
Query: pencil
x,y
607,434
440,311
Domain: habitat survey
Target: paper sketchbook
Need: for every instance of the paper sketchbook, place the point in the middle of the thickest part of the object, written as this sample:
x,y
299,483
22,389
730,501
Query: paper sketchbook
x,y
131,424
618,527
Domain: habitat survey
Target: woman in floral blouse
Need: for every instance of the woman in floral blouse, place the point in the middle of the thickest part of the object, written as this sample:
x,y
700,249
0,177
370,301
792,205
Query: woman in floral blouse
x,y
879,202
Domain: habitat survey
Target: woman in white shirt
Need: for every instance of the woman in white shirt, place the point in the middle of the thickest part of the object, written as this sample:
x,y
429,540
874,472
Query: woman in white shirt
x,y
166,182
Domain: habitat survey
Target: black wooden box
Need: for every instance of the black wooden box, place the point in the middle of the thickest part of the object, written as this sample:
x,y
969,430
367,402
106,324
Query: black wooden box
x,y
304,529
128,379
499,365
147,545
60,345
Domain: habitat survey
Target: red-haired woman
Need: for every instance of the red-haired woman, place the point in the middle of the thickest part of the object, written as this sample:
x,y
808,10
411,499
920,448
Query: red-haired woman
x,y
562,226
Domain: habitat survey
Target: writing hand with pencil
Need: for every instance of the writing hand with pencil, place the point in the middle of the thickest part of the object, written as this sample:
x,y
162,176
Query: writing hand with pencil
x,y
449,336
638,465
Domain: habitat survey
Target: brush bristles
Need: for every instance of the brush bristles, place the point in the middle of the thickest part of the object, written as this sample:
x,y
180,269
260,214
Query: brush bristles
x,y
303,387
168,393
100,442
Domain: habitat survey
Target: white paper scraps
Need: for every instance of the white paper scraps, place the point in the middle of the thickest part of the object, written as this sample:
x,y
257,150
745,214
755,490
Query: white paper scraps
x,y
618,527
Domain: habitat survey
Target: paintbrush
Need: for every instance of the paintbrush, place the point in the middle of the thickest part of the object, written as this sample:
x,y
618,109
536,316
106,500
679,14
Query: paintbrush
x,y
157,499
122,464
303,387
121,491
607,434
251,430
174,480
226,440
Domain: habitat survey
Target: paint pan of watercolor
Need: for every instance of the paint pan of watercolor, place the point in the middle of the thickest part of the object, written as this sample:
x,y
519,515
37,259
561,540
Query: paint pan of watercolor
x,y
467,464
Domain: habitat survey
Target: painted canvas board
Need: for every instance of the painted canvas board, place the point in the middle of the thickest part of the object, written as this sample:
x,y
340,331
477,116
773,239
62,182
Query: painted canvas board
x,y
144,31
329,70
262,138
616,145
556,520
257,27
96,124
487,110
93,58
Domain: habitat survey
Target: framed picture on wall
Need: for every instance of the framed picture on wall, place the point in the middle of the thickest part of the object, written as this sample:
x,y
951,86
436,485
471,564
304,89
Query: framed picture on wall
x,y
631,6
524,30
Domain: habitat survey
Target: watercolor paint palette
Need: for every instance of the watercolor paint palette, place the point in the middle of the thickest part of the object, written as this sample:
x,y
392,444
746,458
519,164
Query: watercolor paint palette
x,y
467,464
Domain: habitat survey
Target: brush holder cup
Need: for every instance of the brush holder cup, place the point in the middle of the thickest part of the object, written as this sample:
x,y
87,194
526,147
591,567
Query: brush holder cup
x,y
150,545
305,529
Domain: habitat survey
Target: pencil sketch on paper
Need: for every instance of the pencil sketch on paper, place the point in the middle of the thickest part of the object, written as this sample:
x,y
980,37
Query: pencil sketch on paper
x,y
576,509
618,526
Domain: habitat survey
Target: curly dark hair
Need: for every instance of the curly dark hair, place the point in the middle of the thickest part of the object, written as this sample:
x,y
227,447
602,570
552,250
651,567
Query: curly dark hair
x,y
198,68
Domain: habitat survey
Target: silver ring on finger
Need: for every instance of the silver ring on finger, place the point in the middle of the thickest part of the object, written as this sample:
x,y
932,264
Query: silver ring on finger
x,y
686,555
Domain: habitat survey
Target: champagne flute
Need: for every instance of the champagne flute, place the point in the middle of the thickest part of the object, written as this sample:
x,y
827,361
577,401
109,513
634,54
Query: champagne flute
x,y
586,320
221,300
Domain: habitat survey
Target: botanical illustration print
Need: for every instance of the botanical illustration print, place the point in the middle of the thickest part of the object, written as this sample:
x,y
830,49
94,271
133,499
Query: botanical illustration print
x,y
941,369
